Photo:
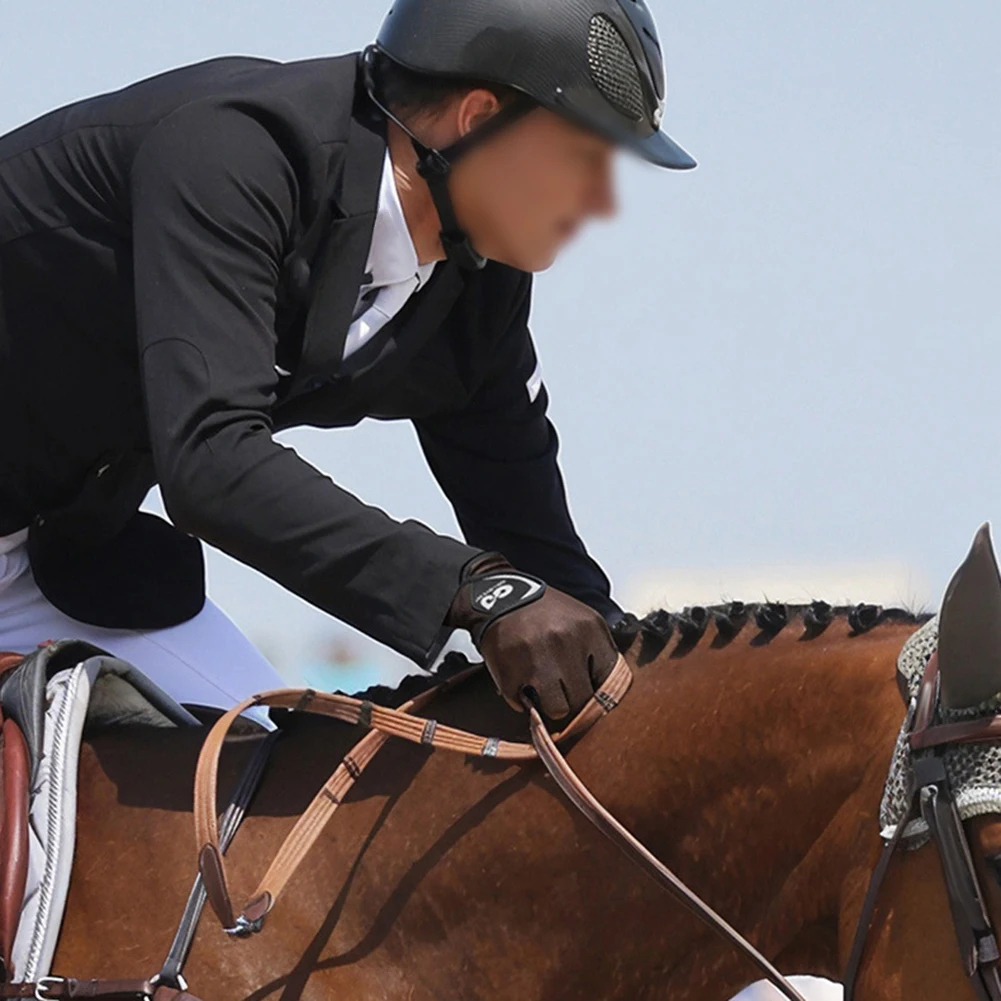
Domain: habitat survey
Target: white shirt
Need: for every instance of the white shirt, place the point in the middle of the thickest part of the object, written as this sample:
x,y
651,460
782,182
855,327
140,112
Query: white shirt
x,y
392,264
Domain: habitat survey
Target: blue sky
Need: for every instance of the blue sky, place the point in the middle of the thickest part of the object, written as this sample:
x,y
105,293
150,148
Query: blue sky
x,y
778,372
781,366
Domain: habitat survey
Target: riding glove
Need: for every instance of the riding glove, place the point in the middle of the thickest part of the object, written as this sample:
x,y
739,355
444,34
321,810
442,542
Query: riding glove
x,y
532,635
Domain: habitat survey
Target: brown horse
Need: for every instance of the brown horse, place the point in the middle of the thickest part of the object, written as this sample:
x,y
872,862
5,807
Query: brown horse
x,y
749,756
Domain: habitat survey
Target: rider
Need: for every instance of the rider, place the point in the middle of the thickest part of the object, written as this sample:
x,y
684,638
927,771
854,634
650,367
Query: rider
x,y
238,246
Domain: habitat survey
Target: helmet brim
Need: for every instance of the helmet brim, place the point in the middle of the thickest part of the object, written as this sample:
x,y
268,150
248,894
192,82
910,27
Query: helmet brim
x,y
657,148
662,151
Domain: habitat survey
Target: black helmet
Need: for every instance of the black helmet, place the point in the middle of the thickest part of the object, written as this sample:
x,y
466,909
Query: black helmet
x,y
596,62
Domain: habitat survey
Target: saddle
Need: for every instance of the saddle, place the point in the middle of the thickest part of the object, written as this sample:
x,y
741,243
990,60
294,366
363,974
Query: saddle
x,y
23,698
127,695
22,714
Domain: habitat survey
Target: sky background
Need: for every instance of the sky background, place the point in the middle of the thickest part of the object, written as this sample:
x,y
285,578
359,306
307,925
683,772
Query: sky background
x,y
776,374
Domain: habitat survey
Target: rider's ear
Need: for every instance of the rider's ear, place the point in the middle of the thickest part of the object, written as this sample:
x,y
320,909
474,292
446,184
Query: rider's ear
x,y
969,629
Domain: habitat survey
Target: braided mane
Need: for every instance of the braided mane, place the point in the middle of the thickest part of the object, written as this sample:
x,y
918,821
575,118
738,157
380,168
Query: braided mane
x,y
771,617
690,625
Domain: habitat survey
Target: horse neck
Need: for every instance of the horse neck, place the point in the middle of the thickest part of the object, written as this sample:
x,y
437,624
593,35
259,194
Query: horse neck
x,y
758,773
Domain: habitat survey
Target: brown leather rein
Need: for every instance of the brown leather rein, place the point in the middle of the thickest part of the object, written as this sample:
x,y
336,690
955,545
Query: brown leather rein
x,y
384,723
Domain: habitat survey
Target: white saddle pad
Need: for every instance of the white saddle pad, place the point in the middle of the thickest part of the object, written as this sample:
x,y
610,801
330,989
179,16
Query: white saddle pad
x,y
95,691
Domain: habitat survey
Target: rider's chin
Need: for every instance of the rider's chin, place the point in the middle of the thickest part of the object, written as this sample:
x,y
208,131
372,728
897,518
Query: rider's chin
x,y
537,259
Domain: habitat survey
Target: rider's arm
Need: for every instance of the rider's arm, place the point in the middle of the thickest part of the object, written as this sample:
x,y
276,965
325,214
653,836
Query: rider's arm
x,y
496,461
214,196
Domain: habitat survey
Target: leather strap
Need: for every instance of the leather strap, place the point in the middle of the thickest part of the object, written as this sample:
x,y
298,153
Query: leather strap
x,y
435,167
964,732
582,798
927,696
869,904
975,934
383,723
170,973
59,988
978,947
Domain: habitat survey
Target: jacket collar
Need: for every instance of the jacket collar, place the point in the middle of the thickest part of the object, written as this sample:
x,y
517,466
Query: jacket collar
x,y
336,271
338,267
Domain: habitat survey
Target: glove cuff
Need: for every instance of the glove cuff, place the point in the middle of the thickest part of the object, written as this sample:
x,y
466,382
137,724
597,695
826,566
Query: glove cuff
x,y
491,593
489,559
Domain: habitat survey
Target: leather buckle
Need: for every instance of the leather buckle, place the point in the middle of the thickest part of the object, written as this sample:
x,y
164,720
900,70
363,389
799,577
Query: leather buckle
x,y
42,987
606,701
929,770
176,981
987,950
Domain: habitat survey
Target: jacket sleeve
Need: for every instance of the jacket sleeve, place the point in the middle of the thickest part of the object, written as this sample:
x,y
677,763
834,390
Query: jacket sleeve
x,y
497,462
213,200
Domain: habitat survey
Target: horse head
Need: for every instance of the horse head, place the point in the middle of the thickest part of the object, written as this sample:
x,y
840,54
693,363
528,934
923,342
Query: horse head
x,y
969,636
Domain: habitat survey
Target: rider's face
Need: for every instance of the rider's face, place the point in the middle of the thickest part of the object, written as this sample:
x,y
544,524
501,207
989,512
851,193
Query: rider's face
x,y
526,191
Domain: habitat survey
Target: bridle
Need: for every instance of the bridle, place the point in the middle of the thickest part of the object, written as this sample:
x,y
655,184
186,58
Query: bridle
x,y
931,797
930,793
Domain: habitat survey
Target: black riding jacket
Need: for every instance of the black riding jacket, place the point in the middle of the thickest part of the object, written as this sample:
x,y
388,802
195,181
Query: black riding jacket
x,y
167,251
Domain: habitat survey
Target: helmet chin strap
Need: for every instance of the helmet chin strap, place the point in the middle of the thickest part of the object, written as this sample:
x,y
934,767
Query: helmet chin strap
x,y
435,167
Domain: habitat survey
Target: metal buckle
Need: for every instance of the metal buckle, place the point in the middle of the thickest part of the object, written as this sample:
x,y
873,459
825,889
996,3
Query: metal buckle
x,y
42,986
244,926
177,979
606,701
427,734
987,950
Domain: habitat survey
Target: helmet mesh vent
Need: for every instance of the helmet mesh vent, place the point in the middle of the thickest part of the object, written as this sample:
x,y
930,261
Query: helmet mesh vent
x,y
613,68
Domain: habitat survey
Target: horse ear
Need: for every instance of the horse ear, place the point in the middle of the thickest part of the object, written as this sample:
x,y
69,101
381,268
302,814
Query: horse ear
x,y
969,628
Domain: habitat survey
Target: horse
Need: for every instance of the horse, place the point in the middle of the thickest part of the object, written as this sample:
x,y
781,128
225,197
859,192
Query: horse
x,y
749,755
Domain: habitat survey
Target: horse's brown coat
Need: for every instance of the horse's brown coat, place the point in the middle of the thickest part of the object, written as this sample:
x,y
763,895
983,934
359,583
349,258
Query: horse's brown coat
x,y
754,771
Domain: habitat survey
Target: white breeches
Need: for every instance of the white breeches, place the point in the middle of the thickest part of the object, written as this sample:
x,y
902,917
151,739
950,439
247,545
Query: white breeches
x,y
206,660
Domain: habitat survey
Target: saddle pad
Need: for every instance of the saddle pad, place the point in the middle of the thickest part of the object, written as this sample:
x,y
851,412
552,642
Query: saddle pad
x,y
974,770
92,692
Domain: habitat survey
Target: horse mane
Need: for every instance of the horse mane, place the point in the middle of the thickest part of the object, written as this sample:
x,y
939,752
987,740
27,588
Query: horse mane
x,y
414,684
657,628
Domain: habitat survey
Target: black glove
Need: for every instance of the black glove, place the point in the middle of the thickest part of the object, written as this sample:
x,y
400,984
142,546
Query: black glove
x,y
532,635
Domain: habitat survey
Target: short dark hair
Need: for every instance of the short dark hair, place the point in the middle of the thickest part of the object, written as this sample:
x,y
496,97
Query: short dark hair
x,y
409,94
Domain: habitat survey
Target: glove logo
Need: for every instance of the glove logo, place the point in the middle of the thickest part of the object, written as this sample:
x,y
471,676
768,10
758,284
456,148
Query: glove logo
x,y
498,593
490,598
